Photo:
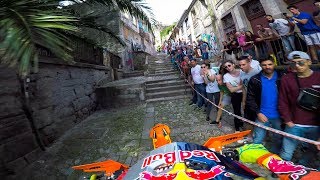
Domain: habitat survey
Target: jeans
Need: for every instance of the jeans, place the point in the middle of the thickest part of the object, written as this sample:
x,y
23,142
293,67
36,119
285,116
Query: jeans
x,y
236,99
289,145
263,50
197,99
211,96
259,134
288,43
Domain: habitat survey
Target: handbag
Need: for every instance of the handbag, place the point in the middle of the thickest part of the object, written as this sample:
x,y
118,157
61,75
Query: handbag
x,y
309,98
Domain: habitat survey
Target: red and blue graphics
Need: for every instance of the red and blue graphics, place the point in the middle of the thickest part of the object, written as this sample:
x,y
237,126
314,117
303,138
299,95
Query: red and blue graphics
x,y
183,161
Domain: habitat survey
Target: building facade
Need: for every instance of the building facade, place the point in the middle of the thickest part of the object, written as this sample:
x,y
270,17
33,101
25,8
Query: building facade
x,y
219,18
236,15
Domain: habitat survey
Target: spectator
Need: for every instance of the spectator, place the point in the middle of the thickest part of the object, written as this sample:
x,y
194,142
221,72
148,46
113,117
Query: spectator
x,y
204,50
308,28
283,29
212,89
190,51
224,99
241,38
185,66
253,63
197,81
316,13
298,121
227,53
233,83
245,74
266,34
262,101
249,46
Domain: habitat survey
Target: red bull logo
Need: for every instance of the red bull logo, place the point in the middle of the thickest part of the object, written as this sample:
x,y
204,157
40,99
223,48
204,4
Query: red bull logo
x,y
286,167
172,157
149,176
280,166
201,174
214,172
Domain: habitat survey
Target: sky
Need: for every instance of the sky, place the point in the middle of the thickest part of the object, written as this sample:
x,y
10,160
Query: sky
x,y
168,11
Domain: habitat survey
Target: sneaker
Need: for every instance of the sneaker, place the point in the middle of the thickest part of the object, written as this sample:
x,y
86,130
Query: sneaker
x,y
214,122
248,140
208,119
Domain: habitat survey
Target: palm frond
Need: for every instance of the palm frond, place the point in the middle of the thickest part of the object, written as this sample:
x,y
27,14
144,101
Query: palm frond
x,y
26,24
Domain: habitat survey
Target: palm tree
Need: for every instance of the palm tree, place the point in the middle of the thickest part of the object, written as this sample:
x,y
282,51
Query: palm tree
x,y
26,24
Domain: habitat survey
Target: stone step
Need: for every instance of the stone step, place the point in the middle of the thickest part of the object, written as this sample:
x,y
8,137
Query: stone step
x,y
165,71
161,69
164,74
167,88
154,84
160,66
168,98
133,74
168,93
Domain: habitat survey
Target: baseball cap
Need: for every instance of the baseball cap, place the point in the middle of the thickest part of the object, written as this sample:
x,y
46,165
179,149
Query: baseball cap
x,y
298,55
246,55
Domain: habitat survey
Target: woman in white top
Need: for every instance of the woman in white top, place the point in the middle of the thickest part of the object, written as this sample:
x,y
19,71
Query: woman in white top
x,y
234,84
212,89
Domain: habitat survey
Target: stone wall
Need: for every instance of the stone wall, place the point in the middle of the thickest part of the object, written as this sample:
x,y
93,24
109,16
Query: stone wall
x,y
130,91
63,96
17,143
60,97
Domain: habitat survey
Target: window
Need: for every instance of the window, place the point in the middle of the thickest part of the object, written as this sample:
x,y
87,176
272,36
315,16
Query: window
x,y
253,9
228,24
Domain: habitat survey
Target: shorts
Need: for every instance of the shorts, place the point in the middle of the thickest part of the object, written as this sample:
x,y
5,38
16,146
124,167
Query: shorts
x,y
226,100
312,39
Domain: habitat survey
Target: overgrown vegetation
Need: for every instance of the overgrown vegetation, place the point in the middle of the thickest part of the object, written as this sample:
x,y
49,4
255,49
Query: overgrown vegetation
x,y
167,30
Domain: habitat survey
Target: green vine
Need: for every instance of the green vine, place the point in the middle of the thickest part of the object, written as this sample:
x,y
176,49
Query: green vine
x,y
167,30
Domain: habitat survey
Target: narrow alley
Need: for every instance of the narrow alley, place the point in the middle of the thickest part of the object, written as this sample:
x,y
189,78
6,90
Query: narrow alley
x,y
122,134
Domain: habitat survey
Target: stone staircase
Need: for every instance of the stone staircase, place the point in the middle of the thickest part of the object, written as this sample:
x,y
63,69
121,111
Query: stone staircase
x,y
164,82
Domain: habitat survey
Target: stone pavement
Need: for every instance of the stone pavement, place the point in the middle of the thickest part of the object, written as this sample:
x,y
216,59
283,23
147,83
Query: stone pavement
x,y
122,135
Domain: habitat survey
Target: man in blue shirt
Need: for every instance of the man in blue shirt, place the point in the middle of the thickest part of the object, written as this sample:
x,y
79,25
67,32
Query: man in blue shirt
x,y
308,28
262,102
204,50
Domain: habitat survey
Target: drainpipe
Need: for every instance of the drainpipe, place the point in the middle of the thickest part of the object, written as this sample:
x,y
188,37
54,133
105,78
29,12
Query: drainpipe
x,y
25,101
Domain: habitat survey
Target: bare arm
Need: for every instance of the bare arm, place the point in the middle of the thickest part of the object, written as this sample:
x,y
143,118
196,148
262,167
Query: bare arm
x,y
233,89
302,21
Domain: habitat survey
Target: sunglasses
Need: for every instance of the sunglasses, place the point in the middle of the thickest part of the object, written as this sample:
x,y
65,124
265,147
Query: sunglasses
x,y
203,67
229,65
300,63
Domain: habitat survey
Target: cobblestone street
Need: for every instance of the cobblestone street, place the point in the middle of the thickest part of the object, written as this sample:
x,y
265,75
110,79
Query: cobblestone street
x,y
122,135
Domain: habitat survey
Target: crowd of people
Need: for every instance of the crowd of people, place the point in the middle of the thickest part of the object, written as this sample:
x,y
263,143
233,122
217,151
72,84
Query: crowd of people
x,y
278,99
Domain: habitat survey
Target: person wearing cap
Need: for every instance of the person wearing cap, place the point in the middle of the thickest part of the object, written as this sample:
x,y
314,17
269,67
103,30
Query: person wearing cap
x,y
299,122
308,28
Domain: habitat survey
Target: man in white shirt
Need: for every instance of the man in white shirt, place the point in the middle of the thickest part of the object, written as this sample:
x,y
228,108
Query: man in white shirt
x,y
282,27
197,81
247,71
253,63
